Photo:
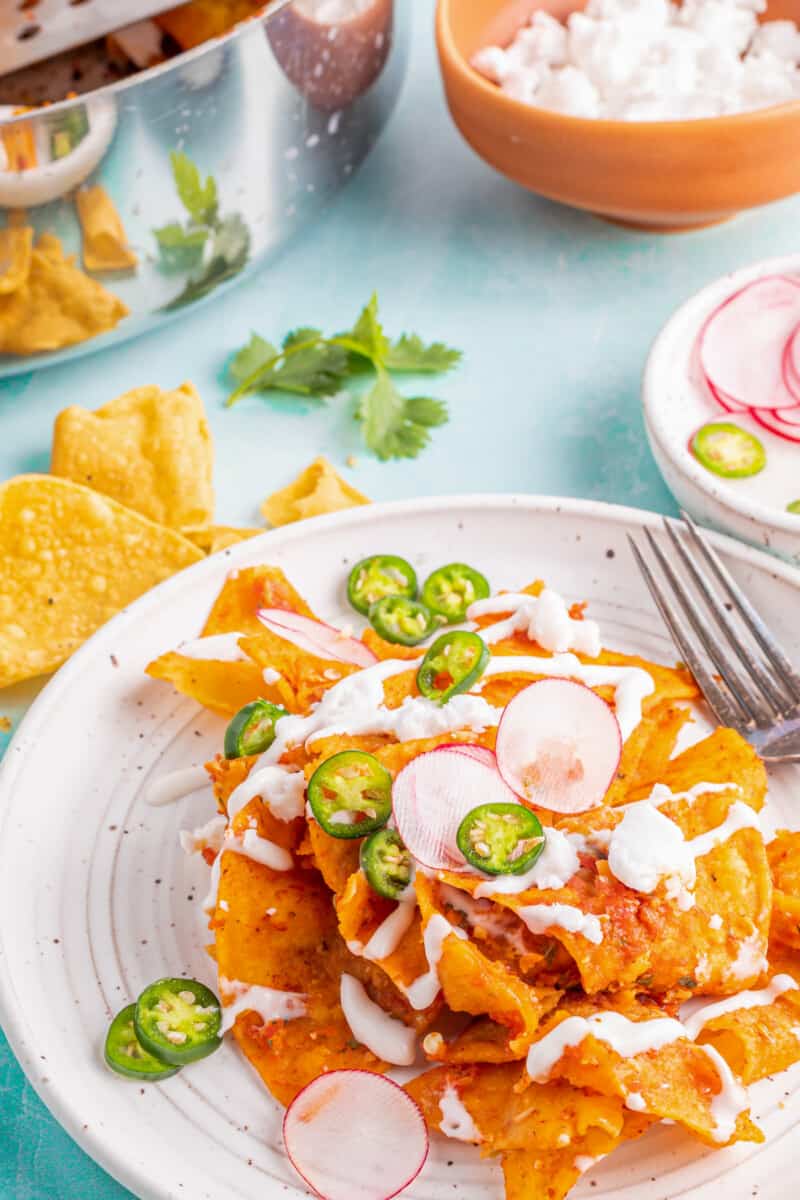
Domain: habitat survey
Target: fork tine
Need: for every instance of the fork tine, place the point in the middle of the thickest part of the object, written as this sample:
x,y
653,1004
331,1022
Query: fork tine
x,y
745,609
778,697
720,704
749,702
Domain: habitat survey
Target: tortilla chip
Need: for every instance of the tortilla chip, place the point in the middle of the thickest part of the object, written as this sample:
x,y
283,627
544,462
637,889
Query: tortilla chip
x,y
148,449
318,489
244,592
758,1041
71,559
16,245
509,1118
105,244
678,1081
56,306
784,861
212,538
221,687
549,1175
483,1041
306,676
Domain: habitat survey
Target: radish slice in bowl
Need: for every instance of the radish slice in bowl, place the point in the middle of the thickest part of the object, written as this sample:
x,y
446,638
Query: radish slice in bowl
x,y
315,637
481,754
559,746
355,1135
743,341
791,364
432,795
776,421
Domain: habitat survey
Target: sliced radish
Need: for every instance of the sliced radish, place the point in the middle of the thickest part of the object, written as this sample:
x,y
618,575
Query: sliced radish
x,y
355,1135
791,365
724,401
559,745
315,637
432,795
776,422
481,754
742,343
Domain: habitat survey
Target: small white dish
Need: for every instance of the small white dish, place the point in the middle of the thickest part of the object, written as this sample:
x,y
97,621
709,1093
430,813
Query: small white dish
x,y
53,178
676,404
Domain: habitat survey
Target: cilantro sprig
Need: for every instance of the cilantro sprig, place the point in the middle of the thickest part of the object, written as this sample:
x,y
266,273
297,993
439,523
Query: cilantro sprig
x,y
212,248
314,366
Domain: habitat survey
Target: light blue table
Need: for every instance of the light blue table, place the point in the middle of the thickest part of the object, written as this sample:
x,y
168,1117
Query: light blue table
x,y
555,312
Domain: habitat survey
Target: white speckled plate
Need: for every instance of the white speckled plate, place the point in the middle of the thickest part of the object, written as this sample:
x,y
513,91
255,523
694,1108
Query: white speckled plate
x,y
676,404
96,899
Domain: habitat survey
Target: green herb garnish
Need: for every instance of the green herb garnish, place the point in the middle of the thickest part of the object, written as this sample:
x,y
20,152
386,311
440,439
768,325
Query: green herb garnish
x,y
309,364
214,248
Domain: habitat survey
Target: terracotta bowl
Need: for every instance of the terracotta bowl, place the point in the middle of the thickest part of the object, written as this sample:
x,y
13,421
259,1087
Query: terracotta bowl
x,y
661,175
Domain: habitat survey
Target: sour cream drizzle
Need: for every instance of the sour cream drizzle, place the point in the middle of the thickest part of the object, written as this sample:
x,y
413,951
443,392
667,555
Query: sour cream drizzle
x,y
696,1014
390,933
456,1120
631,684
283,790
628,1038
424,990
268,1003
544,619
386,1037
175,786
555,866
220,647
541,917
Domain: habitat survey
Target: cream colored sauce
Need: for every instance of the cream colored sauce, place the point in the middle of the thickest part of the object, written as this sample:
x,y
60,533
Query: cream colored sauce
x,y
268,1003
386,1037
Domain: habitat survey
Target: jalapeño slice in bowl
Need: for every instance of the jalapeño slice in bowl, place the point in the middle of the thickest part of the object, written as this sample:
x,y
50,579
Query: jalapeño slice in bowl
x,y
126,1055
387,864
452,664
728,450
794,507
501,839
401,620
450,590
378,576
350,794
178,1020
252,730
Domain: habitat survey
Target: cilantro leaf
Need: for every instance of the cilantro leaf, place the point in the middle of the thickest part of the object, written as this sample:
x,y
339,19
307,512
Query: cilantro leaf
x,y
367,337
180,249
409,353
311,369
198,198
256,356
397,426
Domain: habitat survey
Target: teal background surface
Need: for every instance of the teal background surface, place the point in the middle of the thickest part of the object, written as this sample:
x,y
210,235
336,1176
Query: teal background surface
x,y
555,312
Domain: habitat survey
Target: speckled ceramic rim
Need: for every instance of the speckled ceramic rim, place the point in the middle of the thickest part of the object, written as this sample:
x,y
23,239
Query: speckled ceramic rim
x,y
56,1095
654,385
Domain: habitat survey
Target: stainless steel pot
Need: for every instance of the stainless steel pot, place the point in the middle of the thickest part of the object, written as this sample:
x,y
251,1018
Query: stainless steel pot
x,y
280,113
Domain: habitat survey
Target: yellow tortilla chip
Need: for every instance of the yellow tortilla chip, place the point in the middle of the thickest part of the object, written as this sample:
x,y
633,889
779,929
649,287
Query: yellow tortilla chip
x,y
221,687
70,559
549,1175
758,1041
244,593
16,245
317,490
148,449
211,538
56,305
199,20
105,245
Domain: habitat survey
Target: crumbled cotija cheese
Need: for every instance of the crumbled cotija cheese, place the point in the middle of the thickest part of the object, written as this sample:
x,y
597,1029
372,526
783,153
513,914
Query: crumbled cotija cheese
x,y
650,60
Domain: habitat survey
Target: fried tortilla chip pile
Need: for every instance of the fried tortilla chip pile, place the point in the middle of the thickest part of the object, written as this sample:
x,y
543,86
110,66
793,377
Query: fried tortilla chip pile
x,y
129,502
550,1041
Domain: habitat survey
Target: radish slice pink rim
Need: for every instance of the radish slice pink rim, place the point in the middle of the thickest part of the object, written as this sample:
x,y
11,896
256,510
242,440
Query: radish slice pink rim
x,y
771,419
432,795
315,637
355,1135
559,746
481,754
742,343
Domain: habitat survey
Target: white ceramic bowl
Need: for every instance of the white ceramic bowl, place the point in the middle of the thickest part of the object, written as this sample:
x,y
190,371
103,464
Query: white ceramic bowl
x,y
676,404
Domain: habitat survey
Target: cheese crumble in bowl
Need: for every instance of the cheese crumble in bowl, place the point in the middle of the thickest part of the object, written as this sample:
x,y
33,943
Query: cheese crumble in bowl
x,y
641,111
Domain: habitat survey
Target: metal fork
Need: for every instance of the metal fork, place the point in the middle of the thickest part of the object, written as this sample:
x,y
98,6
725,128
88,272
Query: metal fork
x,y
747,679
